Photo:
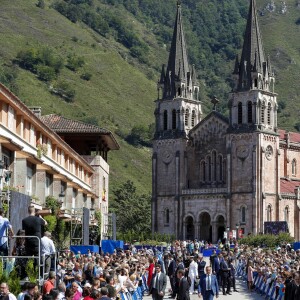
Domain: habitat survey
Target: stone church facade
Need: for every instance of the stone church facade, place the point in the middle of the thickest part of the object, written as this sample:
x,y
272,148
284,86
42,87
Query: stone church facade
x,y
213,173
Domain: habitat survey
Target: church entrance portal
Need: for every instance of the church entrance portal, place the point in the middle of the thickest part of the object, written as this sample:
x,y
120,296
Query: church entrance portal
x,y
221,227
205,227
190,228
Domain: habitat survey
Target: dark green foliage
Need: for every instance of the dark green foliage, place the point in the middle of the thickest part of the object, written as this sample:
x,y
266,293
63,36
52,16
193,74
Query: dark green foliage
x,y
298,21
8,76
281,106
63,89
267,240
133,211
91,120
41,61
45,73
141,135
74,62
297,126
86,76
41,4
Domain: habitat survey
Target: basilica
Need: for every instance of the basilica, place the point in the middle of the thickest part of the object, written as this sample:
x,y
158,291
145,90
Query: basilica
x,y
213,174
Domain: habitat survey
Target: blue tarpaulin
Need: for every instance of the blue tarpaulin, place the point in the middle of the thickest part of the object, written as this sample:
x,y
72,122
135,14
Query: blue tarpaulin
x,y
84,249
108,246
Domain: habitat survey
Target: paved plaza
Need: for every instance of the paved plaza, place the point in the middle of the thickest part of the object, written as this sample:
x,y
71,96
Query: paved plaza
x,y
241,286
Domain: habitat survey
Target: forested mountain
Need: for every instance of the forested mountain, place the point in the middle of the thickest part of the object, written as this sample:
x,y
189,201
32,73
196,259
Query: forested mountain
x,y
99,60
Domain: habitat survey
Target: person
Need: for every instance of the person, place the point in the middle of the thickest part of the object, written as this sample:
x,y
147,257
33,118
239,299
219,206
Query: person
x,y
193,273
232,274
183,288
216,267
47,250
158,284
201,265
291,287
5,294
5,231
104,293
77,294
33,227
150,270
250,271
225,274
19,250
49,283
171,273
208,285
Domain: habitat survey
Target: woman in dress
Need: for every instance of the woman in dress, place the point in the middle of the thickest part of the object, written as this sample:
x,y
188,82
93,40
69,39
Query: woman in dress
x,y
19,250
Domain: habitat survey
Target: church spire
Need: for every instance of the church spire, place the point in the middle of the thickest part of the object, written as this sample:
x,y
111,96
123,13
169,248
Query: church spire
x,y
178,69
253,62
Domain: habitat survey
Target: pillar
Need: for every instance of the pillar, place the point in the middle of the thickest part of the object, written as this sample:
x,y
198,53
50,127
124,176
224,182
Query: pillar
x,y
214,231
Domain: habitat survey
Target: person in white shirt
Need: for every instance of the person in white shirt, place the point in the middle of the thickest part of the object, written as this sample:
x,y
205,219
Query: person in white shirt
x,y
4,227
4,290
193,273
47,250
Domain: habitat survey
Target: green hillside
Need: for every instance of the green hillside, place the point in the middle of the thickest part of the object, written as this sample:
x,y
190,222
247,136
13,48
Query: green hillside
x,y
122,44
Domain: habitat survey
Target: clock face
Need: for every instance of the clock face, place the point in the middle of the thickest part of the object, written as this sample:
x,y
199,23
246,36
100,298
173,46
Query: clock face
x,y
269,152
167,156
242,151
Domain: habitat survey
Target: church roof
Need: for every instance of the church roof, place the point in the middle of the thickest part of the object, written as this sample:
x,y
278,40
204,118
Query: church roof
x,y
210,115
178,61
294,137
288,186
253,57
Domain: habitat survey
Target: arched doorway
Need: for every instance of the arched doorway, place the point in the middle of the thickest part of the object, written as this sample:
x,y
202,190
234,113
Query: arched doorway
x,y
205,227
190,228
220,227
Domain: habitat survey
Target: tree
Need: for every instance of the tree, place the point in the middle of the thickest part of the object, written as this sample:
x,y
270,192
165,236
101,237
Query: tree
x,y
133,211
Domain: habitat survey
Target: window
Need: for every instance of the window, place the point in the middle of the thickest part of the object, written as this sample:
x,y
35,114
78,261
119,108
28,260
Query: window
x,y
224,171
47,185
262,113
286,214
167,216
269,213
240,113
220,168
202,171
193,118
209,169
29,180
243,214
269,113
214,165
174,119
249,112
165,120
186,118
294,167
74,195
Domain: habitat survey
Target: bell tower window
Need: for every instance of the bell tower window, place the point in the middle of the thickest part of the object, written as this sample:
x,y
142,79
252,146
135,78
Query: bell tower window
x,y
249,112
174,119
269,113
165,120
240,113
186,118
262,113
193,118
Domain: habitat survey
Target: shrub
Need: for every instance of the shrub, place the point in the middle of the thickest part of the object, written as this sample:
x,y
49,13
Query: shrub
x,y
86,76
64,90
74,62
45,73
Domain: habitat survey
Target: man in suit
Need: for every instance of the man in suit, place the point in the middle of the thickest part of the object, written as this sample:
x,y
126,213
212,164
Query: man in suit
x,y
183,288
180,266
171,273
225,274
208,286
158,283
216,267
291,287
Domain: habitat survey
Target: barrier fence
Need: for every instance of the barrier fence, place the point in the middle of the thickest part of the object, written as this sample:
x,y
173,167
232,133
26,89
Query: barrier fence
x,y
266,285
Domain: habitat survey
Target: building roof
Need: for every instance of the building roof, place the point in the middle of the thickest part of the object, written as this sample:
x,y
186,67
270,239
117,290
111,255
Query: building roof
x,y
62,125
288,186
294,137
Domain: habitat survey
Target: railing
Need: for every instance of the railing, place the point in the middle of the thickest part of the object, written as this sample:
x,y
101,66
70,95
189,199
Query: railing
x,y
40,259
265,285
204,191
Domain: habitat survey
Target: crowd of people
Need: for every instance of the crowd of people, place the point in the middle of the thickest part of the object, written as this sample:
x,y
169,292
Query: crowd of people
x,y
133,272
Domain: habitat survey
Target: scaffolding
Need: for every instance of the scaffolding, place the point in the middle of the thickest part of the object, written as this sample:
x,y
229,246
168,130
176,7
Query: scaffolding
x,y
76,226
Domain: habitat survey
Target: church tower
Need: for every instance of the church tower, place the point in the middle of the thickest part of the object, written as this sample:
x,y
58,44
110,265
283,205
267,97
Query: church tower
x,y
177,111
252,141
